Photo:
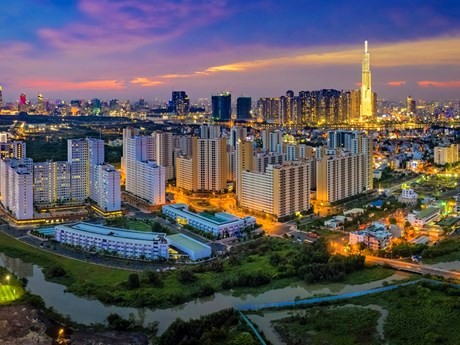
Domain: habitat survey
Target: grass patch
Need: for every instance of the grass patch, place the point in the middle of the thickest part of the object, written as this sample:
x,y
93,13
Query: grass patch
x,y
75,270
338,326
453,256
369,274
421,314
138,225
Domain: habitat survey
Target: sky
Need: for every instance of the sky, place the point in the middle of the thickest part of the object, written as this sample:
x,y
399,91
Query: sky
x,y
128,49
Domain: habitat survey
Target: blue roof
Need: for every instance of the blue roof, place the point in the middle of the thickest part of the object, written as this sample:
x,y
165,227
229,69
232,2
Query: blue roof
x,y
376,203
115,232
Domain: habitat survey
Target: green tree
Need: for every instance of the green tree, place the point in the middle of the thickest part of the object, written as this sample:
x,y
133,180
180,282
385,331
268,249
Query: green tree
x,y
133,281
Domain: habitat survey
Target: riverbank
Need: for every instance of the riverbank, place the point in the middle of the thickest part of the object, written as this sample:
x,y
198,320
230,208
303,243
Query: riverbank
x,y
259,266
413,314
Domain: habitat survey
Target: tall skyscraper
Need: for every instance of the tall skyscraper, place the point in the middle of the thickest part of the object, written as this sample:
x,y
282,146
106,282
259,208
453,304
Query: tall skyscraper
x,y
367,97
40,109
222,106
1,97
243,108
411,106
180,103
22,106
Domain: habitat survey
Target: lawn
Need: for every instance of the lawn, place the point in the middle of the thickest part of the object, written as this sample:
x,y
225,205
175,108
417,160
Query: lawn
x,y
368,274
138,225
76,270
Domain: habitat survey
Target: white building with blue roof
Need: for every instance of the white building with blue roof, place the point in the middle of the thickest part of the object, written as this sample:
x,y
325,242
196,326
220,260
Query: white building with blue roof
x,y
125,243
220,224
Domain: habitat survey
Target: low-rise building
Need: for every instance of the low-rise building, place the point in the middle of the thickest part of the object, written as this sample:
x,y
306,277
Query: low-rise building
x,y
220,224
408,196
375,237
193,248
125,243
335,223
420,218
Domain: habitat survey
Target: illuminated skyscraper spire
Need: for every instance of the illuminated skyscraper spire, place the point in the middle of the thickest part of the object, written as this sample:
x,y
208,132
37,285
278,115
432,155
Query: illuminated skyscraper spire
x,y
367,97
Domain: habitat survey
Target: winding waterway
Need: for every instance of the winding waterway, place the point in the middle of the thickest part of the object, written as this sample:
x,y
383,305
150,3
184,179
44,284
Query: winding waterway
x,y
87,311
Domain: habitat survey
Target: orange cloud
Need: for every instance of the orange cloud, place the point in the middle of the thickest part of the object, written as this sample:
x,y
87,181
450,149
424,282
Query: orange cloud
x,y
441,84
396,83
79,85
146,82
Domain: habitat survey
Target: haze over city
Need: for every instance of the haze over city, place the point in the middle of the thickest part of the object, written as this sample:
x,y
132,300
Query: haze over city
x,y
132,49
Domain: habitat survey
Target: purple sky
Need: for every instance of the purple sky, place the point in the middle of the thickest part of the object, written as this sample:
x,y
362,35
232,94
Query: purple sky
x,y
128,49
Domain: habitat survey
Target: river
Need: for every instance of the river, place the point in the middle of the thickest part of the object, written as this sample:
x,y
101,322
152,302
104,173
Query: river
x,y
87,311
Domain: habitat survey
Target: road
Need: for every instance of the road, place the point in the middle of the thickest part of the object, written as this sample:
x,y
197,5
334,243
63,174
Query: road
x,y
412,267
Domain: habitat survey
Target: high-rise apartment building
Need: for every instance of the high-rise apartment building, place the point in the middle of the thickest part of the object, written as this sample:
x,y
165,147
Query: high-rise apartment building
x,y
209,163
14,149
222,106
281,191
164,152
52,182
16,187
128,132
144,177
445,154
105,189
344,168
243,108
367,108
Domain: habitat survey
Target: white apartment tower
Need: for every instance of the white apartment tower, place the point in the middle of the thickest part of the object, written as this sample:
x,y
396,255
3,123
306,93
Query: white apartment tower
x,y
16,187
144,177
52,182
164,152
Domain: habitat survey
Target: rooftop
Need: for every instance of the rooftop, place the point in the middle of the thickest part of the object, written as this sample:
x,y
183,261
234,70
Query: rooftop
x,y
115,232
187,242
428,212
218,218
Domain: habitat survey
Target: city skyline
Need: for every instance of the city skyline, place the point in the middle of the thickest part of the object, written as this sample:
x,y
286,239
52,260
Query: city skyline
x,y
130,49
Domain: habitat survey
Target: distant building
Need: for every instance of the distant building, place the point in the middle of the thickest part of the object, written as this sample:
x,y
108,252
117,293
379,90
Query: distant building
x,y
243,108
411,105
222,106
180,103
446,154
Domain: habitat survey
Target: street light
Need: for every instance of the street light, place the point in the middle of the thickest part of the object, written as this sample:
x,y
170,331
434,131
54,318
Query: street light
x,y
7,278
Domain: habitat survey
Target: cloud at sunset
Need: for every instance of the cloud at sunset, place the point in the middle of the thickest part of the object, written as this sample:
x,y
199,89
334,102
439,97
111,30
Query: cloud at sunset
x,y
81,85
440,84
396,83
205,46
145,82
